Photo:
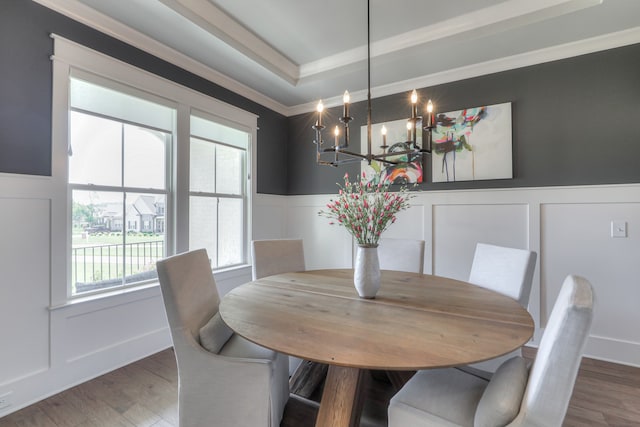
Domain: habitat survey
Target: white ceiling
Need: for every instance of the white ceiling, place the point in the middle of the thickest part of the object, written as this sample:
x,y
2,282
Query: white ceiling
x,y
287,54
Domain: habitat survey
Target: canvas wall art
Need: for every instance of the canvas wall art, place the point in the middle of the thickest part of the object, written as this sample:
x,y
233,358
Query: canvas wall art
x,y
408,172
473,144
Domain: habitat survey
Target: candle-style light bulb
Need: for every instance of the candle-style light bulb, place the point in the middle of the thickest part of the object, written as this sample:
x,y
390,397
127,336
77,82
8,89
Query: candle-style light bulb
x,y
383,131
336,132
414,104
429,113
346,99
320,108
409,126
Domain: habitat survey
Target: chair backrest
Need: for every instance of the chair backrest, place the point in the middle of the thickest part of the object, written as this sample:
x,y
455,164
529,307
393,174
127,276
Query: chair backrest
x,y
557,362
276,256
505,270
188,290
401,255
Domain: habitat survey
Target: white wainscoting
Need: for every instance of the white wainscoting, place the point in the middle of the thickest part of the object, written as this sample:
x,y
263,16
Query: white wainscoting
x,y
46,350
569,228
24,290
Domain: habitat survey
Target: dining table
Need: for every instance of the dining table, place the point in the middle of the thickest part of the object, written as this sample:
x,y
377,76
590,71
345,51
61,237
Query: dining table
x,y
416,321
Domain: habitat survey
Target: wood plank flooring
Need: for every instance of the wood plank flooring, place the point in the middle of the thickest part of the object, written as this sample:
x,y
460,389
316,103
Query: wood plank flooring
x,y
144,394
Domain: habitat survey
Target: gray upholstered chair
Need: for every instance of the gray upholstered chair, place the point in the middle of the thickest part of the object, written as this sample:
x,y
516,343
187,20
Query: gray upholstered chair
x,y
274,257
505,270
223,379
401,255
508,271
515,396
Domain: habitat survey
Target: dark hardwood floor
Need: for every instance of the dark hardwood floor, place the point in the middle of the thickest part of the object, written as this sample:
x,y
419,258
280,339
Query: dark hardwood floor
x,y
144,394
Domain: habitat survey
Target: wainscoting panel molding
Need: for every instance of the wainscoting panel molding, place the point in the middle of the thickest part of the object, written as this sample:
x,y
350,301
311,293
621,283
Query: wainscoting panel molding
x,y
569,228
24,265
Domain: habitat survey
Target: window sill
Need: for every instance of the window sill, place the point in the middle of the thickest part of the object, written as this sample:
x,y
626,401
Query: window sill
x,y
144,290
231,272
131,292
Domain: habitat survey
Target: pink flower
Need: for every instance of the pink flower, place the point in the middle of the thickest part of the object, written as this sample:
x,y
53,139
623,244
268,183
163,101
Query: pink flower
x,y
365,209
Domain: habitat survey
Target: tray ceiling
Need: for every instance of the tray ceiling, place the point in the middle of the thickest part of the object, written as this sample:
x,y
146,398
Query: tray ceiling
x,y
286,54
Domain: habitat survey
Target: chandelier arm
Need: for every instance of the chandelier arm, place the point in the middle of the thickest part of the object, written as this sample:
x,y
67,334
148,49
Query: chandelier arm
x,y
382,157
357,157
346,152
339,162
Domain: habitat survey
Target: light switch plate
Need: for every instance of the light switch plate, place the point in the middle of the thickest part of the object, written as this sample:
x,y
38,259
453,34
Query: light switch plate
x,y
618,228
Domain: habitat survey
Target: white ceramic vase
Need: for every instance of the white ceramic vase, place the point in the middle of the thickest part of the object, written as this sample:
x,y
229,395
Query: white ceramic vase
x,y
366,275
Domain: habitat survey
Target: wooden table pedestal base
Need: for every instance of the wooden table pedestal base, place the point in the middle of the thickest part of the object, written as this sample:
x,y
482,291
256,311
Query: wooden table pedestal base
x,y
342,399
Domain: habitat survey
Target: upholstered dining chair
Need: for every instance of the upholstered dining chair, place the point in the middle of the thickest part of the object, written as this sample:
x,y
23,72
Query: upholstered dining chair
x,y
505,270
401,255
223,379
274,257
508,271
515,396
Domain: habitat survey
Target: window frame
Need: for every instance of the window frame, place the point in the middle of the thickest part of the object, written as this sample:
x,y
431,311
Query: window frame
x,y
69,57
245,187
124,189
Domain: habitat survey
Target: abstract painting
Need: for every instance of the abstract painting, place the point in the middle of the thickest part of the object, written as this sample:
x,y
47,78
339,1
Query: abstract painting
x,y
409,171
472,144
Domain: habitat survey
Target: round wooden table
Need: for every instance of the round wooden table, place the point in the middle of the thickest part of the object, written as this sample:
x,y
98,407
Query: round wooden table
x,y
415,322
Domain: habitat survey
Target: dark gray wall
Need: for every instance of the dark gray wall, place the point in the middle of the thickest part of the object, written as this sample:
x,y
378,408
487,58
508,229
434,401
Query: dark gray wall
x,y
25,91
575,121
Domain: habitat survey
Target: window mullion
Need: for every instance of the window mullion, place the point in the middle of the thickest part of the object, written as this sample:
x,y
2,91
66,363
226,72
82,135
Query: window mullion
x,y
217,232
124,208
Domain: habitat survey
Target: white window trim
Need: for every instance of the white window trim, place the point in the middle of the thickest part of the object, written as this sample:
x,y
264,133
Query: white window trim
x,y
69,55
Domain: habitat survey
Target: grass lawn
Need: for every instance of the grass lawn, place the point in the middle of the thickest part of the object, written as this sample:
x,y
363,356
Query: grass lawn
x,y
100,256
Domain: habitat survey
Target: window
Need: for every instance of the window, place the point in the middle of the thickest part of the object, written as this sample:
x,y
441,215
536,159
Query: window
x,y
217,202
118,169
143,168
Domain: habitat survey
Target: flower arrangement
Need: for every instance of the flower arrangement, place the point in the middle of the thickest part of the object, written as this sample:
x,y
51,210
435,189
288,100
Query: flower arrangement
x,y
366,209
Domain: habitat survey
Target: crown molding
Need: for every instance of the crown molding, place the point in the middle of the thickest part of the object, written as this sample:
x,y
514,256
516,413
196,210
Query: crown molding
x,y
502,16
96,20
564,51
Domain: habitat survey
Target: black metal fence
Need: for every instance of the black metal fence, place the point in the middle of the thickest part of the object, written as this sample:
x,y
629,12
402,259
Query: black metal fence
x,y
101,266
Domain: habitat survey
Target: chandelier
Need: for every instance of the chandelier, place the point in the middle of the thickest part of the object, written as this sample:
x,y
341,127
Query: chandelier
x,y
390,155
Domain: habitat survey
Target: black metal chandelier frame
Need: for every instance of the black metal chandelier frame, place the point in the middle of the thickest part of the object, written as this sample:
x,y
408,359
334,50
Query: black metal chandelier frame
x,y
341,151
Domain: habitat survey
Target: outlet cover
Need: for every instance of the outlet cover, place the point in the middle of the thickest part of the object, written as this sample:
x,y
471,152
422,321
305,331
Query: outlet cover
x,y
618,228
